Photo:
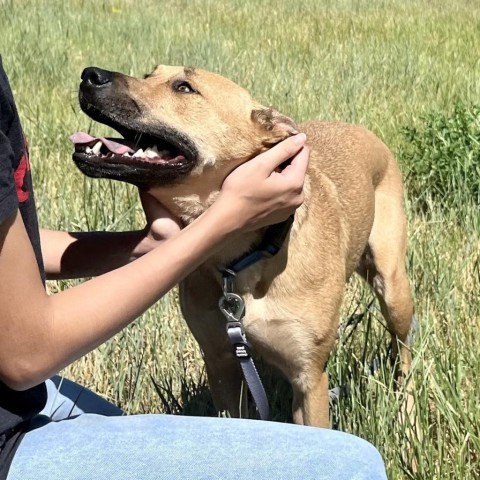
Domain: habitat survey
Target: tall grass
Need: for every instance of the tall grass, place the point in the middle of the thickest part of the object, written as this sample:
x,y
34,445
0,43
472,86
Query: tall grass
x,y
381,63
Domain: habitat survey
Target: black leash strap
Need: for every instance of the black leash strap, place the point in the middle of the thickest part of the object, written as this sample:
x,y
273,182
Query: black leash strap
x,y
232,306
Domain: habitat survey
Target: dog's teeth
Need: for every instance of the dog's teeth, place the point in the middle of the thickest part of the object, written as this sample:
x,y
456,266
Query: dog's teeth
x,y
139,153
155,149
88,150
96,148
150,153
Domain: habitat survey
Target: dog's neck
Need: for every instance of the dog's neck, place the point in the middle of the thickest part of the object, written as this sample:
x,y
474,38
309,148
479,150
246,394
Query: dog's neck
x,y
188,206
187,200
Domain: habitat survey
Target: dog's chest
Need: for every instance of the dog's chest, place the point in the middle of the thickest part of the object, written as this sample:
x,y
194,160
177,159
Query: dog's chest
x,y
263,303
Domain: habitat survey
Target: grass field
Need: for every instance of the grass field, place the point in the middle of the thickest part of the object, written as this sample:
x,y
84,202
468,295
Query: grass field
x,y
380,63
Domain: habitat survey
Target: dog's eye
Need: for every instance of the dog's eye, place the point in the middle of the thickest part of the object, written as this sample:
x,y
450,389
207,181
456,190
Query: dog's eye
x,y
183,87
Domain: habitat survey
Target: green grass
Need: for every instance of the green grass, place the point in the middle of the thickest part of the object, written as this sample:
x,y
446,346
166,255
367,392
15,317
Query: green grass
x,y
384,64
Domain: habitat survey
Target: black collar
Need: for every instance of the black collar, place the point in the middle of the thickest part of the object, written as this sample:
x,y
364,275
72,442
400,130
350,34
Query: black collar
x,y
270,245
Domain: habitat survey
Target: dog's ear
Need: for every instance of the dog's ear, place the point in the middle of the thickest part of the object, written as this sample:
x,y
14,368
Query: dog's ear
x,y
275,126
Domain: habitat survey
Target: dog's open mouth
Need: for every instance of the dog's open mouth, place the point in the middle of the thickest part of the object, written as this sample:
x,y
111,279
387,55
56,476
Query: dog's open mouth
x,y
139,158
146,149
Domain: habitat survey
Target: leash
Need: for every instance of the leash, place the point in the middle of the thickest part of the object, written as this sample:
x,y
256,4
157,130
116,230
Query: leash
x,y
232,306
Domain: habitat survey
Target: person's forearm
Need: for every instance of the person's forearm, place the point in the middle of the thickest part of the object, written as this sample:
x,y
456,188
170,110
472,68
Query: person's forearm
x,y
85,316
41,334
88,254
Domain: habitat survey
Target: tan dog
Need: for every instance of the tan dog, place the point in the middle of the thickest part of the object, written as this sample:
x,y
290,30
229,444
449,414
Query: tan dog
x,y
203,126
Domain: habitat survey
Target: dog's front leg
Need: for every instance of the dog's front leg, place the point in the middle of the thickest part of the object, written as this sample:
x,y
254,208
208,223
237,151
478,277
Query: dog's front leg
x,y
299,347
310,402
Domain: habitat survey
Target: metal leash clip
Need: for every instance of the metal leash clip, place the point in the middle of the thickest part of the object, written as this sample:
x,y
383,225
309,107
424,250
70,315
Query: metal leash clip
x,y
232,306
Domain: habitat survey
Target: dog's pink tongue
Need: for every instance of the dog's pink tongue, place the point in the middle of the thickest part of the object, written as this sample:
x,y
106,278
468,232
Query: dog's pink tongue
x,y
82,138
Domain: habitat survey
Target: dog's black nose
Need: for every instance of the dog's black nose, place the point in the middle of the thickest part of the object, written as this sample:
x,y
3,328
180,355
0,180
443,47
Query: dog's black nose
x,y
96,77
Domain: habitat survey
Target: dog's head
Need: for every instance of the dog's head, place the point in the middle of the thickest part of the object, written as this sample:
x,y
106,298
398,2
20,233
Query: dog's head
x,y
176,122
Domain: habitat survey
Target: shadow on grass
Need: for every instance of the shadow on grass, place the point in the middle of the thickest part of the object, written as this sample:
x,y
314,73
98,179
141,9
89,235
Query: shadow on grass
x,y
193,399
187,396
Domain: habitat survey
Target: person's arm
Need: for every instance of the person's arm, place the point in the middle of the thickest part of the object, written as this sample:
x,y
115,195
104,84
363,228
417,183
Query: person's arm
x,y
41,334
89,254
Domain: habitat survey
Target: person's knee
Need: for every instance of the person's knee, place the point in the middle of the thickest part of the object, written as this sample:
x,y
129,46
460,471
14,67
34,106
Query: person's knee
x,y
369,460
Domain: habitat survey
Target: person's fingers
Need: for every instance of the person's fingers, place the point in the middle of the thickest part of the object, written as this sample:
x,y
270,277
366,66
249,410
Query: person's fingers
x,y
283,151
298,165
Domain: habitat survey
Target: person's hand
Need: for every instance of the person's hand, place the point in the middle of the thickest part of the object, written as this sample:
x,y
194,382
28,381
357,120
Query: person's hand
x,y
161,224
259,192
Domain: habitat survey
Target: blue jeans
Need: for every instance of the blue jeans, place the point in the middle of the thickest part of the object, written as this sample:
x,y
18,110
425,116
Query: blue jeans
x,y
81,436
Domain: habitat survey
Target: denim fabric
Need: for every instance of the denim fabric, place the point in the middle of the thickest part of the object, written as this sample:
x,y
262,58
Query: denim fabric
x,y
73,445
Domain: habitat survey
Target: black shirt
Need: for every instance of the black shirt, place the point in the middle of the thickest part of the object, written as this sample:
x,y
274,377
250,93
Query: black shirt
x,y
16,408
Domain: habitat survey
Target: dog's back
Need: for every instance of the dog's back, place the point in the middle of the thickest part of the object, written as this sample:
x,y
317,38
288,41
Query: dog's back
x,y
356,162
